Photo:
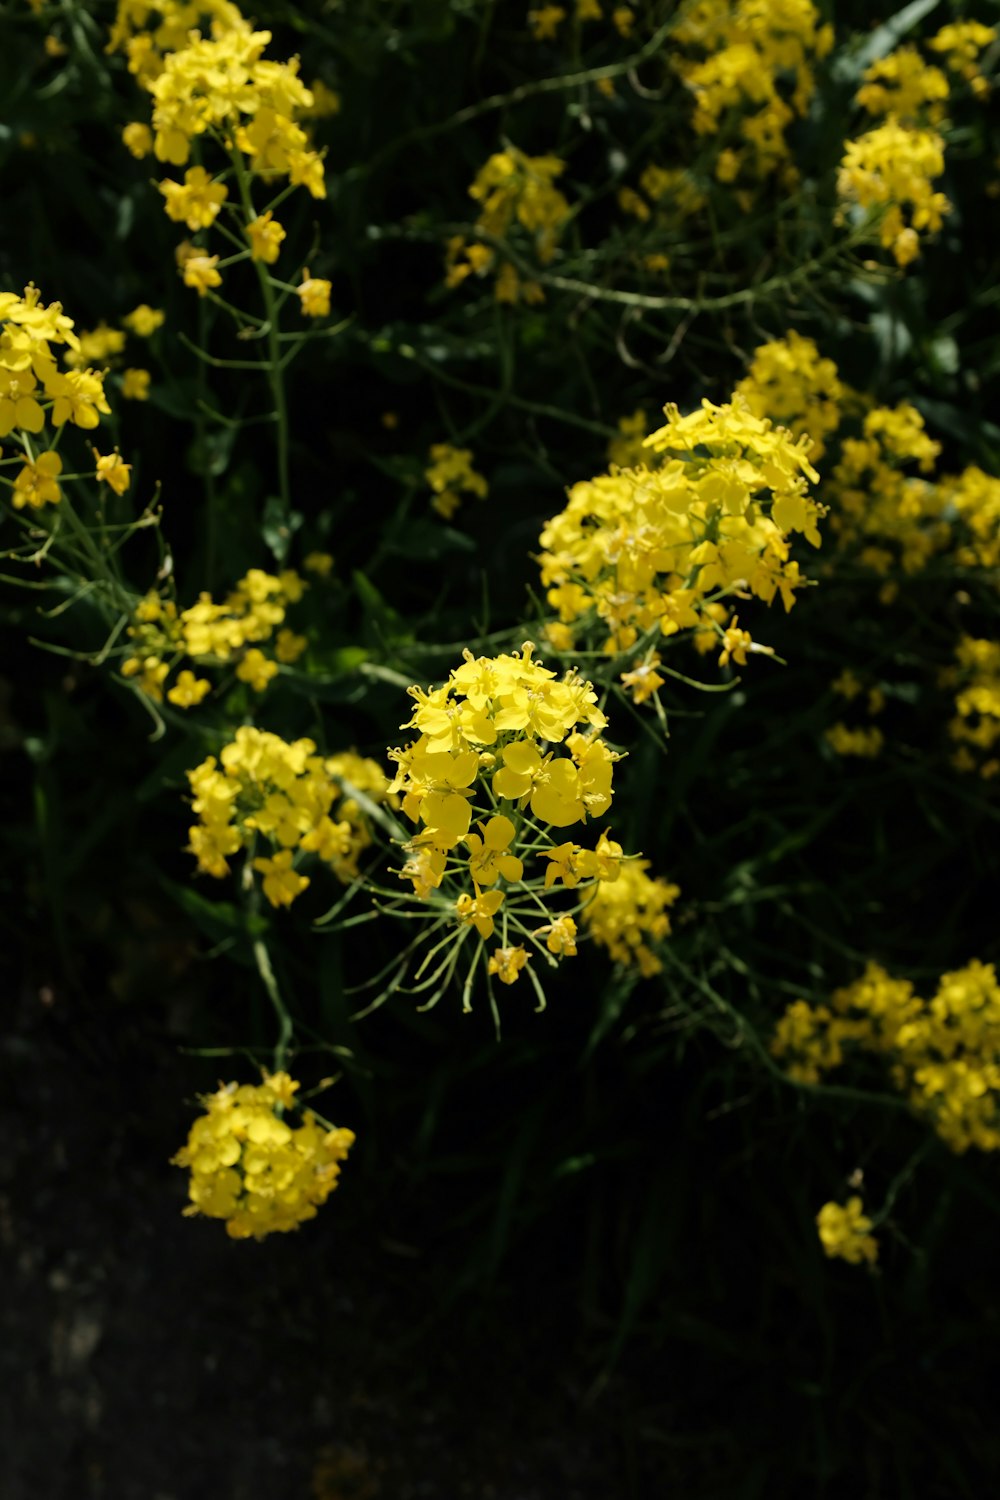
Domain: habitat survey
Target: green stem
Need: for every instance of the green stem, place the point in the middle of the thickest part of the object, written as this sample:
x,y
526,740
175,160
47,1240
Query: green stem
x,y
275,369
263,961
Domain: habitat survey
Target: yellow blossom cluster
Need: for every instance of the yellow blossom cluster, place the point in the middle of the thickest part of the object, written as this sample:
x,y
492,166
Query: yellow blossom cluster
x,y
749,65
506,752
450,475
888,174
943,1053
251,1168
891,520
789,381
221,84
845,1232
973,497
33,389
214,83
904,86
629,913
511,189
888,518
146,30
262,787
649,551
35,392
212,632
975,726
959,45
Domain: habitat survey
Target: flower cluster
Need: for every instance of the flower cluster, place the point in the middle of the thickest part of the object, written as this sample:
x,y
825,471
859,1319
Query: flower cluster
x,y
511,188
251,1168
904,86
263,788
212,632
975,727
845,1232
36,393
506,752
959,45
789,381
889,173
943,1053
221,87
628,914
889,519
750,62
647,552
450,475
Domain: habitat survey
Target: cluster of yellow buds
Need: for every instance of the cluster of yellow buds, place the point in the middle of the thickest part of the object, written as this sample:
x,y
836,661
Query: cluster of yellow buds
x,y
647,552
943,1053
512,189
264,789
211,633
487,781
253,1169
450,475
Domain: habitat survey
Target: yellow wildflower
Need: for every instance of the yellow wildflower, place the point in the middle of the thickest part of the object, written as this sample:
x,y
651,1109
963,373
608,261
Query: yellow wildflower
x,y
135,385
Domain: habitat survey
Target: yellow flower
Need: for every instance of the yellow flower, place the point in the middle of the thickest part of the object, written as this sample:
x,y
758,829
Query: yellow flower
x,y
265,235
507,963
197,201
135,385
488,857
138,138
545,22
113,471
79,398
36,484
450,475
188,690
320,563
624,20
644,680
282,884
256,669
844,1232
314,295
288,646
200,272
144,320
479,910
560,936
